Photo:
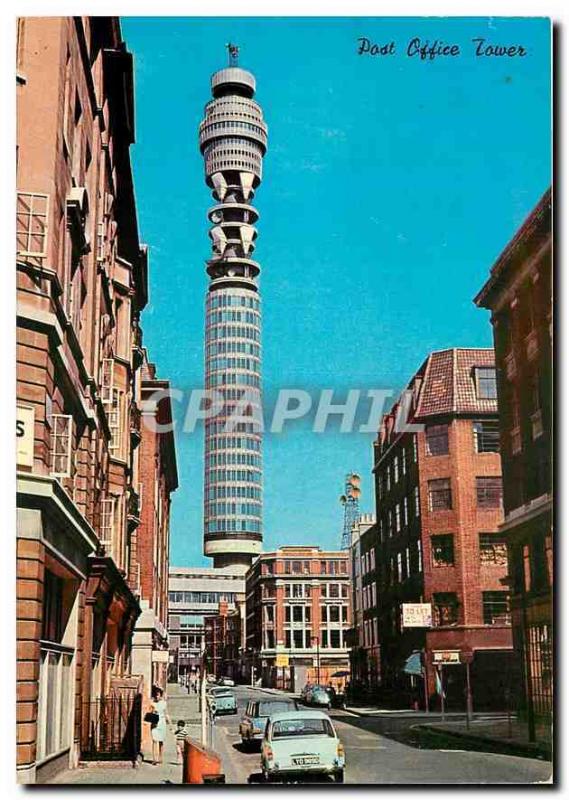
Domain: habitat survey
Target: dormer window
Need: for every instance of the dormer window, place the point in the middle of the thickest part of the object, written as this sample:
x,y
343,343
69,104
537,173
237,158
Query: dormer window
x,y
485,381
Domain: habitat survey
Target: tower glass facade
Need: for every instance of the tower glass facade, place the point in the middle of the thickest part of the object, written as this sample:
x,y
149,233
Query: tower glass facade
x,y
233,141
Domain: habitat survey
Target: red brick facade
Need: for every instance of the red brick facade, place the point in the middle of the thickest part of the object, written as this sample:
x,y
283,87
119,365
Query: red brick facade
x,y
438,498
298,609
519,295
81,286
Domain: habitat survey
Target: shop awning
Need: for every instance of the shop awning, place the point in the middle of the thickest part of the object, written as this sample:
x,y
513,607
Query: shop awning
x,y
413,664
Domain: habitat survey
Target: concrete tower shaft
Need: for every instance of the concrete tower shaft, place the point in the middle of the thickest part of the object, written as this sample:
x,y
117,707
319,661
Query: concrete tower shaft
x,y
233,141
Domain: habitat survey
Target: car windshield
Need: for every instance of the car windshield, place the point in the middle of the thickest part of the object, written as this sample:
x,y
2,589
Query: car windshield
x,y
267,709
302,727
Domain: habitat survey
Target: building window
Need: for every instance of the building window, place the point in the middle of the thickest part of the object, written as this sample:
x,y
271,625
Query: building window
x,y
485,383
445,609
493,549
419,556
298,638
333,590
107,376
61,445
390,522
442,547
407,563
415,449
495,608
403,461
397,517
486,436
115,417
31,227
436,440
395,469
54,703
52,626
440,497
297,613
416,499
335,641
488,492
405,512
399,567
107,520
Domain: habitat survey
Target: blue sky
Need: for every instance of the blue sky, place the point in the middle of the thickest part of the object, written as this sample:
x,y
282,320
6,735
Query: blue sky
x,y
390,186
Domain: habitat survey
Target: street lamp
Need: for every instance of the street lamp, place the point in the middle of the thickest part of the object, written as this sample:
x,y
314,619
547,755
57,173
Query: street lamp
x,y
317,640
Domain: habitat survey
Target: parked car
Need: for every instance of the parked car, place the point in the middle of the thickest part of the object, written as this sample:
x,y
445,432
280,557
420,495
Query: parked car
x,y
226,682
297,744
319,696
253,724
222,701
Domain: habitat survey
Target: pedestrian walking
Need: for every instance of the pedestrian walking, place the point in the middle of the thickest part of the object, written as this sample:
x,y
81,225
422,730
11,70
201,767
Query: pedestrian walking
x,y
159,728
180,733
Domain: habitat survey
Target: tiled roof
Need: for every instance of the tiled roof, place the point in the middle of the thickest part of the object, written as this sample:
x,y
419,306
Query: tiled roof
x,y
449,385
444,384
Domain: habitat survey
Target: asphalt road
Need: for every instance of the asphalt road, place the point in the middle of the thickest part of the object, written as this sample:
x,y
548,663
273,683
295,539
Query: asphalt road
x,y
372,758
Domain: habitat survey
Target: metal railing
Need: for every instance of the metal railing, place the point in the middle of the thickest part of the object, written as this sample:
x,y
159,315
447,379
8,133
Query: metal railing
x,y
115,726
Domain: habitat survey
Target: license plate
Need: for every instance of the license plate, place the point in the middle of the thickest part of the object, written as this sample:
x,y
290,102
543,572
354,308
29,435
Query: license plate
x,y
302,761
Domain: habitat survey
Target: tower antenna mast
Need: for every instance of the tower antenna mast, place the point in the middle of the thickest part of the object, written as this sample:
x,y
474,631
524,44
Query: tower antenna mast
x,y
232,54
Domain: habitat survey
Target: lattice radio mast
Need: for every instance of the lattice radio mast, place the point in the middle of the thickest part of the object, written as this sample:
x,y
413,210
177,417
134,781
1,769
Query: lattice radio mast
x,y
351,502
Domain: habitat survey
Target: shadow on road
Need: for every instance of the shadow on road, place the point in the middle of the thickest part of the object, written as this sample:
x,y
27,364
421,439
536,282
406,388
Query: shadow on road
x,y
241,747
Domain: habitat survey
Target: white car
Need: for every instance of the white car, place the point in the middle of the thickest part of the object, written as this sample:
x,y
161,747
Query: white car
x,y
226,682
298,743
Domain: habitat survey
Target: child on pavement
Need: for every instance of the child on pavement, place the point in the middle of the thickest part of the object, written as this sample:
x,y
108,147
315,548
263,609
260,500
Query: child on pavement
x,y
180,733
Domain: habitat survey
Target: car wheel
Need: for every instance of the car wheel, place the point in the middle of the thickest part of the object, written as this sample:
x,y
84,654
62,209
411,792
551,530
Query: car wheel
x,y
339,776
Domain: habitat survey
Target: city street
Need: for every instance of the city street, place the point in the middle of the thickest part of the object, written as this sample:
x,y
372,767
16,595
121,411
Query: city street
x,y
373,758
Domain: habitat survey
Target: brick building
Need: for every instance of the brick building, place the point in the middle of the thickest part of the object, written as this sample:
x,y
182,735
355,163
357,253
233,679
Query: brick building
x,y
519,294
297,616
158,478
439,506
81,286
223,642
364,633
195,594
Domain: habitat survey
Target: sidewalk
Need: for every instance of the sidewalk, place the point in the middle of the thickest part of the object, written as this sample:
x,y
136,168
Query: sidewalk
x,y
509,737
180,706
